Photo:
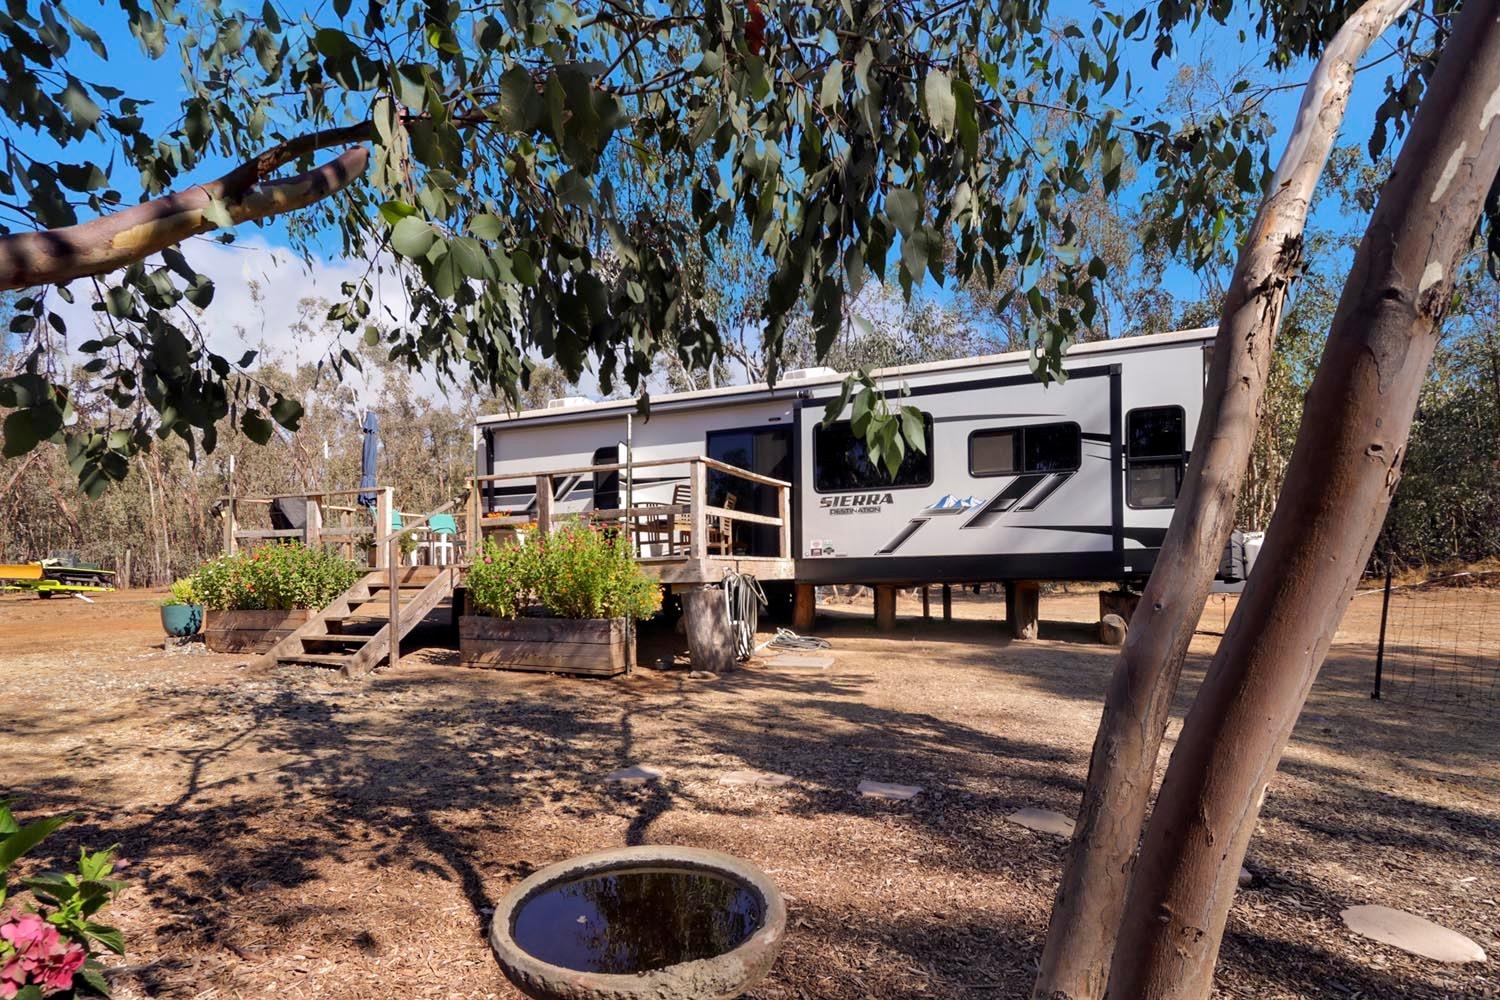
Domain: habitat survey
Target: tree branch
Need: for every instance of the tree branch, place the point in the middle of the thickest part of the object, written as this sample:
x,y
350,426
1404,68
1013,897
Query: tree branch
x,y
114,241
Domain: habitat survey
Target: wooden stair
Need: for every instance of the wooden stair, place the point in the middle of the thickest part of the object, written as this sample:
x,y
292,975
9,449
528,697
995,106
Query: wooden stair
x,y
353,634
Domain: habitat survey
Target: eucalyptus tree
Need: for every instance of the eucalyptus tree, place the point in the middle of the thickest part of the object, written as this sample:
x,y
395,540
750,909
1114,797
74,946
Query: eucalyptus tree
x,y
472,150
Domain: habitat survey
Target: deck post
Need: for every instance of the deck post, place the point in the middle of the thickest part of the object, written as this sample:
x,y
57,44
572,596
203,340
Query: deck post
x,y
784,511
1023,600
947,602
384,501
885,606
710,641
473,533
804,607
312,526
393,562
543,505
230,527
697,501
926,603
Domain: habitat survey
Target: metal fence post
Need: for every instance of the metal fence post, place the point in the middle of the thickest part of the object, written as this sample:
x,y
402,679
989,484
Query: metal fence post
x,y
1385,611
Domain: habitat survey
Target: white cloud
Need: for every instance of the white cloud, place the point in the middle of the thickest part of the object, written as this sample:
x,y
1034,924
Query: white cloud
x,y
258,292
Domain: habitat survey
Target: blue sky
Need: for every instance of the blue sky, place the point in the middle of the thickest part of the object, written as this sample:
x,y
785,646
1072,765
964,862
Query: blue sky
x,y
237,317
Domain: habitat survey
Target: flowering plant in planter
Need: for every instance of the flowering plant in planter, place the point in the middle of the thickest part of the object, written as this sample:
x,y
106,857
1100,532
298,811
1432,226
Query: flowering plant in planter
x,y
282,577
576,571
48,944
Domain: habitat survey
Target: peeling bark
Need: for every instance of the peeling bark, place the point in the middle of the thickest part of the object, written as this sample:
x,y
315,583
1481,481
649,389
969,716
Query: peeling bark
x,y
1343,472
114,241
1091,896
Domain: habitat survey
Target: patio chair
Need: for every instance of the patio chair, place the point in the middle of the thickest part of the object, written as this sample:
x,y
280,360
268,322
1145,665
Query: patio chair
x,y
652,529
720,530
442,542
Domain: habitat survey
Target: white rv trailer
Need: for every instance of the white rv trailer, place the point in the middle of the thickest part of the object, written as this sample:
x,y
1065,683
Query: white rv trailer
x,y
1020,481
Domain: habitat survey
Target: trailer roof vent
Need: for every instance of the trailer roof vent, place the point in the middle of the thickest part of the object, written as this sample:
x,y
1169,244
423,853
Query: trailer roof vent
x,y
563,402
802,374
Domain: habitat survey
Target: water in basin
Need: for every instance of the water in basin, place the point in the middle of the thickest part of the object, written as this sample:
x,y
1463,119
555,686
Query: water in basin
x,y
631,920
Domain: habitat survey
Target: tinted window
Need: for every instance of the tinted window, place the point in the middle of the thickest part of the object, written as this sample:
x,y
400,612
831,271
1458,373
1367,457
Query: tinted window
x,y
1152,484
994,453
1155,456
1155,433
1039,448
841,461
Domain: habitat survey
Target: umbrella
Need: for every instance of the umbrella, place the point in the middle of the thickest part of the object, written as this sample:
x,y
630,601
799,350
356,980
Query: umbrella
x,y
367,459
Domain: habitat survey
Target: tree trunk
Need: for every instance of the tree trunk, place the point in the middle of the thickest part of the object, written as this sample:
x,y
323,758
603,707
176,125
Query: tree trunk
x,y
1091,896
1343,472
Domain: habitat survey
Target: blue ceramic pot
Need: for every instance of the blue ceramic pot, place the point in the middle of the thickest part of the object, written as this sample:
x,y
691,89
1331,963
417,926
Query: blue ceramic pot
x,y
182,620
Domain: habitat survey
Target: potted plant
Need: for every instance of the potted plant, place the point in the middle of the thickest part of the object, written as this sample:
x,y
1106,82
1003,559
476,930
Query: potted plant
x,y
565,602
181,610
255,599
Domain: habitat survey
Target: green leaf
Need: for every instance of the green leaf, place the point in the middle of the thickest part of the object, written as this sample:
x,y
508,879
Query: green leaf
x,y
412,237
469,257
394,211
287,412
941,104
485,226
832,90
16,844
256,427
217,213
901,206
80,105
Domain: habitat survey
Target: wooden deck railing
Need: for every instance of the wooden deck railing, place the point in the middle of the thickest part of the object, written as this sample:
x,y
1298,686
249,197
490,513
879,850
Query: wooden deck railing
x,y
639,518
326,523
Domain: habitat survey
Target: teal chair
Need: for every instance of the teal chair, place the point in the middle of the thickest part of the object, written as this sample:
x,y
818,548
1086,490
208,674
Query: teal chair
x,y
443,530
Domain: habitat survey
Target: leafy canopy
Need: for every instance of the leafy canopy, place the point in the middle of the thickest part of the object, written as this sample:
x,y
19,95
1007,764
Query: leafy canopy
x,y
510,145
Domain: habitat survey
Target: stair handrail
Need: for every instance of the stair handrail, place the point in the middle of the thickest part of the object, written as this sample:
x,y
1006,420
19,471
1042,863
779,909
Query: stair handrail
x,y
393,564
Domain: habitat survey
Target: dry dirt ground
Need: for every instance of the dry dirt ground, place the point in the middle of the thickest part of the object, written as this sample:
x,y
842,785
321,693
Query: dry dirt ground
x,y
295,834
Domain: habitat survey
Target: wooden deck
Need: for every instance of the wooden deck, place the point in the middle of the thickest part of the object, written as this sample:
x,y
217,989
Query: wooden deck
x,y
692,556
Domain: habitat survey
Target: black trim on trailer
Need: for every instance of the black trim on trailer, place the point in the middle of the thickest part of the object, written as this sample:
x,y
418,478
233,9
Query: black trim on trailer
x,y
984,383
1007,498
1046,491
993,416
1116,461
984,568
901,536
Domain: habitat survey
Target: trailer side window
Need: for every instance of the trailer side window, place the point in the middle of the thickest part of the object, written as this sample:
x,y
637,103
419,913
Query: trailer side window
x,y
841,461
1155,456
1037,448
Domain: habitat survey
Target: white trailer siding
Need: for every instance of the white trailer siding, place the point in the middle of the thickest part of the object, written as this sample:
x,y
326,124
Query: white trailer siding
x,y
1061,509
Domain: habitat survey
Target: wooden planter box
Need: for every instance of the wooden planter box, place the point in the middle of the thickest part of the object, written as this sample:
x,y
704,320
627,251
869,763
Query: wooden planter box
x,y
250,631
598,647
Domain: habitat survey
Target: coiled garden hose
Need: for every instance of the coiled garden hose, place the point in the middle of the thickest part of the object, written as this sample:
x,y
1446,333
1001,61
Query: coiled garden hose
x,y
743,599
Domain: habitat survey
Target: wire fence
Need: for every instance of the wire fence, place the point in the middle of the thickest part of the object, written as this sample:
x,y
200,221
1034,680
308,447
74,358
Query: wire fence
x,y
1440,643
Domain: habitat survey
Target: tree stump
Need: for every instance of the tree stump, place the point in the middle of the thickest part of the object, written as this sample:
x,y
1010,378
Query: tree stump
x,y
710,640
1023,607
1118,602
1112,629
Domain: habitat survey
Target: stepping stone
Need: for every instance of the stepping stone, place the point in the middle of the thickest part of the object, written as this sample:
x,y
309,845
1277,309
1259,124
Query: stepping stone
x,y
635,774
1412,933
1043,821
882,790
763,779
801,661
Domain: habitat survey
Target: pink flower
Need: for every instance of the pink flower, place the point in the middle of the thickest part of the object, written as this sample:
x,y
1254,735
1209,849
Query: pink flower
x,y
31,936
12,978
58,970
